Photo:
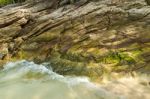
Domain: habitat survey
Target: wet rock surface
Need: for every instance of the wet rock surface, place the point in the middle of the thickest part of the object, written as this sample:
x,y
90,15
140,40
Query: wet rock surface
x,y
93,38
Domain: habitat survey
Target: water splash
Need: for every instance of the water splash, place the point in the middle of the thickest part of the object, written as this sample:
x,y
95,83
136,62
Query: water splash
x,y
27,80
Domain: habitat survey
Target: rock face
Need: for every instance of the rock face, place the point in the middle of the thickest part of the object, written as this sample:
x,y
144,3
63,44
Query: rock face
x,y
91,38
148,2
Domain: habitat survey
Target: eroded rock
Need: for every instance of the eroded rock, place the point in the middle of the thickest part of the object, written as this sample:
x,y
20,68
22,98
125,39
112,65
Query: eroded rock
x,y
94,38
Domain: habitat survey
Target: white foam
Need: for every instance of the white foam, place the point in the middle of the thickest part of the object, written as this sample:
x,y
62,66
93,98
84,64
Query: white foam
x,y
75,87
21,68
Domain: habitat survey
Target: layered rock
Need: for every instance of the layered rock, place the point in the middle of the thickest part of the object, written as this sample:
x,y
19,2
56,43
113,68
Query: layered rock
x,y
89,38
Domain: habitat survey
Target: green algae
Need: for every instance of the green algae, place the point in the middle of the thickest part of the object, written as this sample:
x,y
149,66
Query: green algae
x,y
4,2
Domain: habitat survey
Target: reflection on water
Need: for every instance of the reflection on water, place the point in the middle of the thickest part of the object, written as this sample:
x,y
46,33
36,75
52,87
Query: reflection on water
x,y
26,80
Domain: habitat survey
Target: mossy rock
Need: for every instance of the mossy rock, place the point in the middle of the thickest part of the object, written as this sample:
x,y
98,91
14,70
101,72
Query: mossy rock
x,y
5,2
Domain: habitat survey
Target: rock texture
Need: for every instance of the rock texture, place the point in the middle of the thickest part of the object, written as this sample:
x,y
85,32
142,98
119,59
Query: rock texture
x,y
91,37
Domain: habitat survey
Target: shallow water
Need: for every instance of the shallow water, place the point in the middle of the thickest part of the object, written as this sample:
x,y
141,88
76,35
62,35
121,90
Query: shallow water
x,y
27,80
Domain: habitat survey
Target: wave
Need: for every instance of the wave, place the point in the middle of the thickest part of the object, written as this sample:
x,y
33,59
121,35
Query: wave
x,y
27,80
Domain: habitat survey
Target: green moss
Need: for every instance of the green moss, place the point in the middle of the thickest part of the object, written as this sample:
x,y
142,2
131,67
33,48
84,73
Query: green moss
x,y
22,55
5,2
118,57
28,55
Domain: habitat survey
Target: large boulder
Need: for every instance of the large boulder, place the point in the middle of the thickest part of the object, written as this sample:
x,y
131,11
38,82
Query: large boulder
x,y
91,38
